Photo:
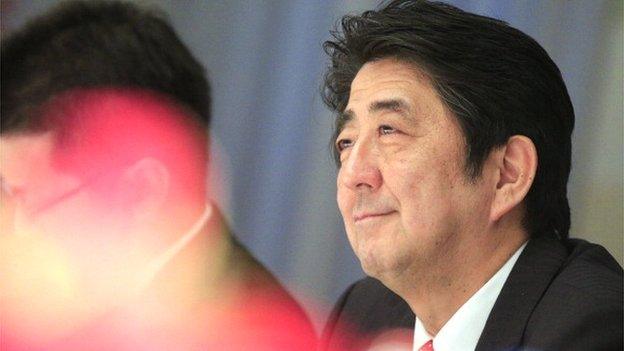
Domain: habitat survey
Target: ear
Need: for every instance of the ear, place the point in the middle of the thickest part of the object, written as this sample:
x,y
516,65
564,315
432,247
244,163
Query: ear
x,y
517,164
145,185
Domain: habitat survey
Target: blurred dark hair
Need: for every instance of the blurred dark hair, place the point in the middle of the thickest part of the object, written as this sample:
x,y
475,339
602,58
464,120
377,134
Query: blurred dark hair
x,y
86,44
497,81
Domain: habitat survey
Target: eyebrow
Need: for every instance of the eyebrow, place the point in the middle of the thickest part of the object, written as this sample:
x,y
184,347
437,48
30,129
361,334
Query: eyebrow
x,y
397,105
392,105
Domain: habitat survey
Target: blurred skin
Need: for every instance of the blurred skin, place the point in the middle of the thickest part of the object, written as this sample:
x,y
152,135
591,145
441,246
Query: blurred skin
x,y
76,246
6,212
66,268
85,259
77,251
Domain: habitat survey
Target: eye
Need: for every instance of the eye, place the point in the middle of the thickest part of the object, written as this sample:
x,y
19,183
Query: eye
x,y
386,129
342,144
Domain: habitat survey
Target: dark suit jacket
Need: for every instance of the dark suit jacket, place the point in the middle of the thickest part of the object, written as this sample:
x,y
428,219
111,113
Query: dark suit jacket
x,y
560,295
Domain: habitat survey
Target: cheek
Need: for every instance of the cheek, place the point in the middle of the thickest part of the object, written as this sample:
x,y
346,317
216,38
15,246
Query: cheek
x,y
406,180
344,197
345,205
346,201
424,192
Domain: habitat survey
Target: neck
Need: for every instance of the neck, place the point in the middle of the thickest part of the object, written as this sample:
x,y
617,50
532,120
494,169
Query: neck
x,y
185,270
435,293
183,240
178,218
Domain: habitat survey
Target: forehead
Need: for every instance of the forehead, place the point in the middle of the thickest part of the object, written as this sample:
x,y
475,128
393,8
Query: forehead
x,y
389,75
393,80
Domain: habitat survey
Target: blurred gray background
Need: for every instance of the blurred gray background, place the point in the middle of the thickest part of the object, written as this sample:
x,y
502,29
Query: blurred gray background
x,y
271,132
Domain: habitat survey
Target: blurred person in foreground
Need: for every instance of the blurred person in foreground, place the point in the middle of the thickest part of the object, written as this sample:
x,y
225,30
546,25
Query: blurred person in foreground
x,y
114,242
453,147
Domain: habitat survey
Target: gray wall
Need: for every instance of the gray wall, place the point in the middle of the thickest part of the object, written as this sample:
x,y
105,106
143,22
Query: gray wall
x,y
271,132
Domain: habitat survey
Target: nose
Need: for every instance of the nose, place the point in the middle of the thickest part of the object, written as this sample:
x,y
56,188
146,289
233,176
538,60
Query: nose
x,y
360,169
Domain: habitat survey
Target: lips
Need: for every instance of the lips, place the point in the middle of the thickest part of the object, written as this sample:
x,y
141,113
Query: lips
x,y
361,216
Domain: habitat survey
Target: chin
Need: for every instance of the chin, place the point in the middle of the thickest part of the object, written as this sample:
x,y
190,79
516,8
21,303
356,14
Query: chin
x,y
371,269
376,266
384,266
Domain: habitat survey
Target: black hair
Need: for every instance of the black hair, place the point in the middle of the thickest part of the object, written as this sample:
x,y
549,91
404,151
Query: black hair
x,y
496,80
88,44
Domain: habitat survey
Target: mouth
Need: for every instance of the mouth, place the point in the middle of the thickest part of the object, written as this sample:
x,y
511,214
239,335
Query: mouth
x,y
370,216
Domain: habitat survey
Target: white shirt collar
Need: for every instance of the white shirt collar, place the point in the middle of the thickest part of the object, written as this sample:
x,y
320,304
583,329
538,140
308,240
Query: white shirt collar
x,y
463,330
157,264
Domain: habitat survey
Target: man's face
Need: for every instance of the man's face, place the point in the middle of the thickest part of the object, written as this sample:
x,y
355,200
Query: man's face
x,y
406,200
45,200
67,254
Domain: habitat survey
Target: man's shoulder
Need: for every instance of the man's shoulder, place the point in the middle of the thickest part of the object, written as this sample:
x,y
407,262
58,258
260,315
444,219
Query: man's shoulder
x,y
560,295
264,302
590,267
239,265
570,264
256,281
372,305
366,309
588,273
582,307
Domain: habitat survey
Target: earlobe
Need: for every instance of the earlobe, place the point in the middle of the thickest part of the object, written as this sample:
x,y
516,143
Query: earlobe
x,y
517,166
146,184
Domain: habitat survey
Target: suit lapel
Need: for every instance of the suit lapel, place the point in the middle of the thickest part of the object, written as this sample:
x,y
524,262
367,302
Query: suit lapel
x,y
536,268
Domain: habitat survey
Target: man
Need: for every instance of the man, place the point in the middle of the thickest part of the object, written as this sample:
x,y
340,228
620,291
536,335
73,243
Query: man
x,y
453,144
103,164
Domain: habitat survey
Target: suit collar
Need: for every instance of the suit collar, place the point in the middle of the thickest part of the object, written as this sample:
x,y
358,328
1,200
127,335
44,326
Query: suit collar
x,y
527,282
200,266
157,264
